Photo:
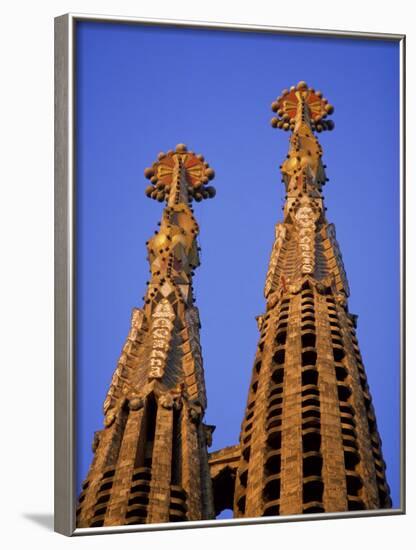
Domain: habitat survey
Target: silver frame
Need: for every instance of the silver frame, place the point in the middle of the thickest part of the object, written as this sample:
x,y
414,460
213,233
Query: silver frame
x,y
65,284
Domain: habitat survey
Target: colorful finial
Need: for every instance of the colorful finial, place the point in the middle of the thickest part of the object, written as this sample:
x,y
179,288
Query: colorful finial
x,y
302,104
197,173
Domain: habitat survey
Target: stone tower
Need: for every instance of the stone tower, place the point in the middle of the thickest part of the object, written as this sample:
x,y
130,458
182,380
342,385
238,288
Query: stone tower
x,y
309,441
150,461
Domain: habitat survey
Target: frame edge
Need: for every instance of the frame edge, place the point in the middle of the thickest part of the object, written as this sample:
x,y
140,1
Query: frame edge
x,y
64,522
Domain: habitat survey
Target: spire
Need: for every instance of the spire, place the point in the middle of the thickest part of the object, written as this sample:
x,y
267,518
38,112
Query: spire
x,y
309,441
151,459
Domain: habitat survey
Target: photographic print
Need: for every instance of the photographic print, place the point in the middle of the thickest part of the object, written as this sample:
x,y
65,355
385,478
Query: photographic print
x,y
236,275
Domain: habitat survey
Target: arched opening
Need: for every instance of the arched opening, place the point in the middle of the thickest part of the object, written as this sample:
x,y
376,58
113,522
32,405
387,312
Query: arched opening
x,y
223,487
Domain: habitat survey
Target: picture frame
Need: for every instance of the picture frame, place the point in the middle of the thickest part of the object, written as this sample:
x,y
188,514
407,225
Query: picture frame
x,y
65,265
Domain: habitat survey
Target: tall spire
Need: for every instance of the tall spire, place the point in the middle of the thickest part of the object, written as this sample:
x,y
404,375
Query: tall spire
x,y
309,441
150,461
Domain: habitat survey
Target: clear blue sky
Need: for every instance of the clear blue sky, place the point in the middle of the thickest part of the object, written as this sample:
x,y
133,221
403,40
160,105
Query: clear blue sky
x,y
141,90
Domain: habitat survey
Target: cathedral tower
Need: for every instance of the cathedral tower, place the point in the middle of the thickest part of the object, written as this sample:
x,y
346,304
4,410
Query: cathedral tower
x,y
150,461
309,441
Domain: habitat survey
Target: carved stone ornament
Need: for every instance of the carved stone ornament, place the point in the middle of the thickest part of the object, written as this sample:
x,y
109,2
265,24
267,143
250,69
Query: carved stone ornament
x,y
195,412
109,419
166,401
136,403
341,299
208,431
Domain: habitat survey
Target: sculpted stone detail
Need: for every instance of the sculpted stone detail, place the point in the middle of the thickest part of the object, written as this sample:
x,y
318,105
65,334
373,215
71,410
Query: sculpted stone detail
x,y
305,219
136,403
280,235
195,411
161,330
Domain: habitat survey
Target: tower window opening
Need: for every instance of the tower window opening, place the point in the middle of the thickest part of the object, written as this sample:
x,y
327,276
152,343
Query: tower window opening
x,y
313,491
310,391
273,463
310,402
246,453
248,427
311,442
308,326
344,392
276,401
278,375
308,317
336,340
341,373
347,409
105,486
309,357
250,415
100,511
271,490
310,376
312,465
274,412
279,357
351,459
103,499
274,439
277,390
347,420
243,478
354,485
254,387
281,337
308,340
355,503
139,499
258,366
313,423
311,413
349,432
339,353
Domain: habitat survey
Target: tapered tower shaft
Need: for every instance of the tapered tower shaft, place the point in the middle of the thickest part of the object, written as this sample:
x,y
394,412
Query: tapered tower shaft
x,y
150,460
309,440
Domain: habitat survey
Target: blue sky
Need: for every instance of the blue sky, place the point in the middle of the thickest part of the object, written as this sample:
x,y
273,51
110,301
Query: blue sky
x,y
141,90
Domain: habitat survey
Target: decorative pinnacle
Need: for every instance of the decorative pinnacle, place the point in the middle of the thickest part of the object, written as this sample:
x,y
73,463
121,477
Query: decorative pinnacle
x,y
302,104
197,174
